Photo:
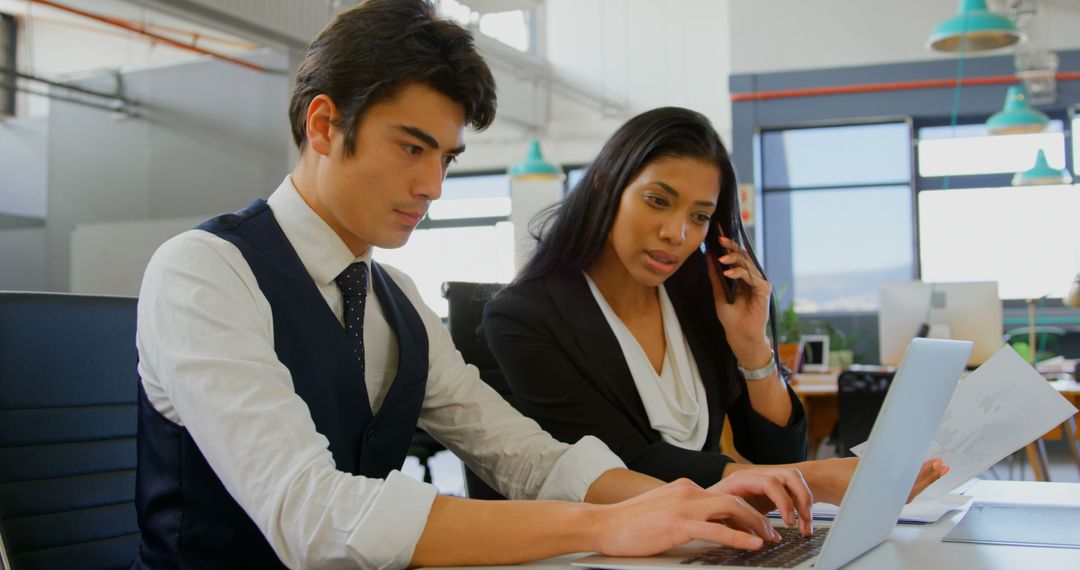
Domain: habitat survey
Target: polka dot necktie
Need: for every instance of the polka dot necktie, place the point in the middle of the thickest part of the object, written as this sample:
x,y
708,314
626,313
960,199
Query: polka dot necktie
x,y
353,285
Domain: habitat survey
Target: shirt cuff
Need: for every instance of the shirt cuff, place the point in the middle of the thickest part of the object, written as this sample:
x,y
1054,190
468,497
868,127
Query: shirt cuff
x,y
387,536
577,469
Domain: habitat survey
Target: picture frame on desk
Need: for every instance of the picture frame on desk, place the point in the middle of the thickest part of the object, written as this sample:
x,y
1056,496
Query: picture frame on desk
x,y
815,353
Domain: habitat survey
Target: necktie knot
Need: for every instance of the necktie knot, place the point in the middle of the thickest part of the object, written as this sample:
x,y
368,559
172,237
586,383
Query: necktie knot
x,y
353,281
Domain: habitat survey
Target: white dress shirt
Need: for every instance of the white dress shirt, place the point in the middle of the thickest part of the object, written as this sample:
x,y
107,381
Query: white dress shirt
x,y
207,361
674,399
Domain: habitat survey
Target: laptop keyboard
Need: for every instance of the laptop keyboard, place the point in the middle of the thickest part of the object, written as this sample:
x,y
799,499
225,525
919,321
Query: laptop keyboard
x,y
793,550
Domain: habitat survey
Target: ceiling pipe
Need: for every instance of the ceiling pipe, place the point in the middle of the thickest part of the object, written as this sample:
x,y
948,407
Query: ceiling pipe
x,y
879,87
158,37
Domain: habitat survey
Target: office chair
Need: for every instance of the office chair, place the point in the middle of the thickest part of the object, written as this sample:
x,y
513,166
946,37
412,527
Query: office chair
x,y
466,304
68,387
423,447
860,395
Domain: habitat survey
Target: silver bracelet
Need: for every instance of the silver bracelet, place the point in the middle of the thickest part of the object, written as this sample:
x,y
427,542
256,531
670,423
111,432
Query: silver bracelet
x,y
759,373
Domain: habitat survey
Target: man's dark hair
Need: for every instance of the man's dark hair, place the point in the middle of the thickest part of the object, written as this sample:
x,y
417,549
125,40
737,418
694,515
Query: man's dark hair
x,y
369,53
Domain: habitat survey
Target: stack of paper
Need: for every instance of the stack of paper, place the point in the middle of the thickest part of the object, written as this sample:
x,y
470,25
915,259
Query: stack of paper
x,y
916,512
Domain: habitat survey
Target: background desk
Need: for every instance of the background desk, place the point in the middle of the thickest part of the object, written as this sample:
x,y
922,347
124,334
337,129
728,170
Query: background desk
x,y
818,395
921,547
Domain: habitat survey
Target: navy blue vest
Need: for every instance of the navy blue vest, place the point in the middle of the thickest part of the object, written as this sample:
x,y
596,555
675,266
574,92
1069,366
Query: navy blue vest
x,y
187,518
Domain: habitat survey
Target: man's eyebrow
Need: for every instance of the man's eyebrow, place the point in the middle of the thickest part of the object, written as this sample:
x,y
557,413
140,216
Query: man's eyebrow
x,y
667,187
428,139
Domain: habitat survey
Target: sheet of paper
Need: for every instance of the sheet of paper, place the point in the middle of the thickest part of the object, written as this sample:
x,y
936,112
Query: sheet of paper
x,y
920,511
999,408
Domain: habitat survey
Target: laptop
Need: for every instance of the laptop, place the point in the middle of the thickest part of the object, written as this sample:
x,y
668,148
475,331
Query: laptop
x,y
905,426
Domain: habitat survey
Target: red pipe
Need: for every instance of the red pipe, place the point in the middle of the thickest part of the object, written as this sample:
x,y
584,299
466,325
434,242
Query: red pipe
x,y
876,87
142,30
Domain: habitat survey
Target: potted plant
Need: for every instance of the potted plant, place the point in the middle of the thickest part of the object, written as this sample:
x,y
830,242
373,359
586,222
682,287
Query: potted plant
x,y
788,335
841,347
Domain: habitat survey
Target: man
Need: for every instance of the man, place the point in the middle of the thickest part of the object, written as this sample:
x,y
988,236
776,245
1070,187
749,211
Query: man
x,y
284,372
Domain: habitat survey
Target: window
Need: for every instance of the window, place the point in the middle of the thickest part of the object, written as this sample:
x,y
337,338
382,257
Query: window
x,y
973,151
465,237
464,197
1026,238
975,226
8,31
1075,146
573,176
515,28
836,207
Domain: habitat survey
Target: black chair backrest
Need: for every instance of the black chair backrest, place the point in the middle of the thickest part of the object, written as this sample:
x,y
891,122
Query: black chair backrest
x,y
859,398
466,313
68,387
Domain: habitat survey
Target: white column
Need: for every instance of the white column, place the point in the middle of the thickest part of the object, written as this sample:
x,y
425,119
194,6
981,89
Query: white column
x,y
528,196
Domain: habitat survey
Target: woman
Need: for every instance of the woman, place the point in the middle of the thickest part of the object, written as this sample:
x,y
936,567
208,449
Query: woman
x,y
619,326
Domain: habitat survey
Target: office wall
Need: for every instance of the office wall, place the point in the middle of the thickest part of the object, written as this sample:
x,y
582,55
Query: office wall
x,y
645,53
22,259
639,53
211,137
110,258
22,167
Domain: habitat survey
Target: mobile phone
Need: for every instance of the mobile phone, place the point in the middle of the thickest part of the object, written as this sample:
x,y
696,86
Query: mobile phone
x,y
713,252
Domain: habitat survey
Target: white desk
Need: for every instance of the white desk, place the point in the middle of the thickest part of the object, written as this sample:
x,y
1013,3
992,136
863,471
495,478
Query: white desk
x,y
920,547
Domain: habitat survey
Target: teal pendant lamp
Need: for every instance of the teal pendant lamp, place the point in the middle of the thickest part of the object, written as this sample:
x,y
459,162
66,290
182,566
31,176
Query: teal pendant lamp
x,y
534,167
1041,173
1016,117
974,28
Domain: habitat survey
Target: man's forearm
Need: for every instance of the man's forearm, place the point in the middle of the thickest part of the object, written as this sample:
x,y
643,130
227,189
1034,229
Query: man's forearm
x,y
505,532
461,531
616,485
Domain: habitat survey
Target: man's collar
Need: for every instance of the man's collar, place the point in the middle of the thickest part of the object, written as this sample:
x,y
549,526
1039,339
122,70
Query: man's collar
x,y
321,250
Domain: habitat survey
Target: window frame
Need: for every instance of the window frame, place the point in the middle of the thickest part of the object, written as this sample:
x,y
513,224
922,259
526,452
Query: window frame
x,y
974,180
428,224
917,183
760,190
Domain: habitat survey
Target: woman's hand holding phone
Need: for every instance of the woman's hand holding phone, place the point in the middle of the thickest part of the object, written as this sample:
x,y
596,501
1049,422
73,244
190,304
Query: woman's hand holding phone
x,y
745,315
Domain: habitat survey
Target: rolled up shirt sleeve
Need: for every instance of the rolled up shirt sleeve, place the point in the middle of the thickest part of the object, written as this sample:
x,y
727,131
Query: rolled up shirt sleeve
x,y
577,469
506,449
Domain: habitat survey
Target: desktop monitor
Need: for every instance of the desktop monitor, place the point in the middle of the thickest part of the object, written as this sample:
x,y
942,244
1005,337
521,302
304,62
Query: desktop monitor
x,y
960,311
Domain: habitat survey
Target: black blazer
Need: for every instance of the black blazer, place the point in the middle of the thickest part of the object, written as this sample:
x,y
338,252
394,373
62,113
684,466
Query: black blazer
x,y
567,371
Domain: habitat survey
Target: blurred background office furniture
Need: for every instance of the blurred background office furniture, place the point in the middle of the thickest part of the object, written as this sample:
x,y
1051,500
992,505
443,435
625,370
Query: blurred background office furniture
x,y
68,388
1047,341
466,312
859,398
423,447
961,311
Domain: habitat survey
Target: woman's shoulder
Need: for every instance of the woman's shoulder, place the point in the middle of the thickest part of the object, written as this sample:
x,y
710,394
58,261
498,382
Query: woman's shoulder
x,y
533,295
517,296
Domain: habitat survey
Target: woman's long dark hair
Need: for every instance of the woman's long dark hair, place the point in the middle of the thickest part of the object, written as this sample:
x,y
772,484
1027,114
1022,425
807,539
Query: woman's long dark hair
x,y
572,234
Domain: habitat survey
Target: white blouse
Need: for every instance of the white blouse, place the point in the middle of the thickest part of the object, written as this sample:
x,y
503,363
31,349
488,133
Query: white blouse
x,y
674,400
